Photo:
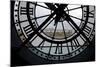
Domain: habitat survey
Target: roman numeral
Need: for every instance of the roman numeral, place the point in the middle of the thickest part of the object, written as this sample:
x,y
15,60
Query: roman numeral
x,y
76,43
58,49
92,35
72,45
82,38
68,48
87,30
91,14
41,44
23,11
28,30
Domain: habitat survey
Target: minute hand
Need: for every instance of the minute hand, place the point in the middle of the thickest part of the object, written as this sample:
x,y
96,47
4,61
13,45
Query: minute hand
x,y
67,18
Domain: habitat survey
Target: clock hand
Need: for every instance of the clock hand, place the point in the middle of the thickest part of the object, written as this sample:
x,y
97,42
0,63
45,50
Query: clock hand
x,y
59,12
60,8
51,6
36,30
39,28
57,18
74,24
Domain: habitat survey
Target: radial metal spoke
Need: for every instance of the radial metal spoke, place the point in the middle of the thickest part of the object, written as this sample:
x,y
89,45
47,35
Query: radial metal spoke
x,y
72,26
80,19
41,16
65,38
40,5
75,25
55,31
47,24
35,18
39,28
64,30
52,39
73,9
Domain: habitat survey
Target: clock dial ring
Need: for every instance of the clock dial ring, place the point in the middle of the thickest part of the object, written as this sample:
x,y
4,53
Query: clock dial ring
x,y
57,56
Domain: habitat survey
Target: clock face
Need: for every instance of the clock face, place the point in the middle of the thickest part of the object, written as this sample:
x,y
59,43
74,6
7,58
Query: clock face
x,y
54,31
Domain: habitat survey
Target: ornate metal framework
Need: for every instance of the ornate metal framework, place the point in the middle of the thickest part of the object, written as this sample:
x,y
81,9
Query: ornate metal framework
x,y
72,28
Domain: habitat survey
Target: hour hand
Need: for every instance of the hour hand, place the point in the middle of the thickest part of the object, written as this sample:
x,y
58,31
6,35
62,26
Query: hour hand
x,y
51,6
57,18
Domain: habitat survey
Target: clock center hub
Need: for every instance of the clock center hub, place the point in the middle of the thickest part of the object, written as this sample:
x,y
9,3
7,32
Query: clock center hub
x,y
61,15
